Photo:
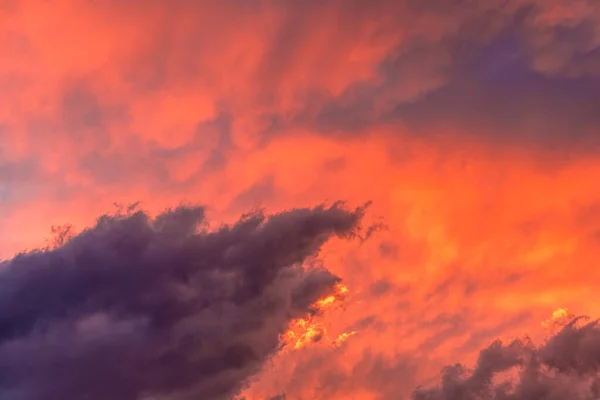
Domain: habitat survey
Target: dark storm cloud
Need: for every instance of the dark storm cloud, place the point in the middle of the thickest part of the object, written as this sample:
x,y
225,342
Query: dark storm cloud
x,y
567,366
137,307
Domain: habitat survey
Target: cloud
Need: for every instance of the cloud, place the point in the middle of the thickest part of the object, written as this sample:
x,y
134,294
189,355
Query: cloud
x,y
479,76
565,367
472,124
274,66
136,307
228,78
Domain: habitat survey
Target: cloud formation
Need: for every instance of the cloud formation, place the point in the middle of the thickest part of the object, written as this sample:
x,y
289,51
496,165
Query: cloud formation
x,y
139,307
567,366
472,125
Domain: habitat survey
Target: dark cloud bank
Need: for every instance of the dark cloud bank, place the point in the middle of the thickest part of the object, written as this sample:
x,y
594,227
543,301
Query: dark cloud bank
x,y
566,367
141,308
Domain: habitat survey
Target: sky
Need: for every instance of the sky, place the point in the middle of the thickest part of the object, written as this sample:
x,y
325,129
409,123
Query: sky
x,y
199,152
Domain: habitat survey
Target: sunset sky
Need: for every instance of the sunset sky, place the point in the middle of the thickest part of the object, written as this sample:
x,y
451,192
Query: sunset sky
x,y
472,127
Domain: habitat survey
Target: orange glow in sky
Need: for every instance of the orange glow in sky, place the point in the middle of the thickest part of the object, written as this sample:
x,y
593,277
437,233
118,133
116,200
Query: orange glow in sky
x,y
474,130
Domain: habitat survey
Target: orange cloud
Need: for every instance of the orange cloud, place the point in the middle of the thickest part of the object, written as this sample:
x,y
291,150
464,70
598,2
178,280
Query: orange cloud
x,y
472,130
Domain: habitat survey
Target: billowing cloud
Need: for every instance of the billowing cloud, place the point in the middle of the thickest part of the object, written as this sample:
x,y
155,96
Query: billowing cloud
x,y
567,366
138,307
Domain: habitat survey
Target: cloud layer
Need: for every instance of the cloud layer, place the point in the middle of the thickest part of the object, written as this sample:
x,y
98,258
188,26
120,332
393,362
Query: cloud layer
x,y
139,307
472,125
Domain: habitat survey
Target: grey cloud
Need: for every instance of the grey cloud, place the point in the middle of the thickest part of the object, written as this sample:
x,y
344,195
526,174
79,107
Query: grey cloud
x,y
137,306
481,76
567,366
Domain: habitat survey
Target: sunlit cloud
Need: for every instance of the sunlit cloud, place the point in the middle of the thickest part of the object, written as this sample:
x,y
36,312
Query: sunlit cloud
x,y
473,131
